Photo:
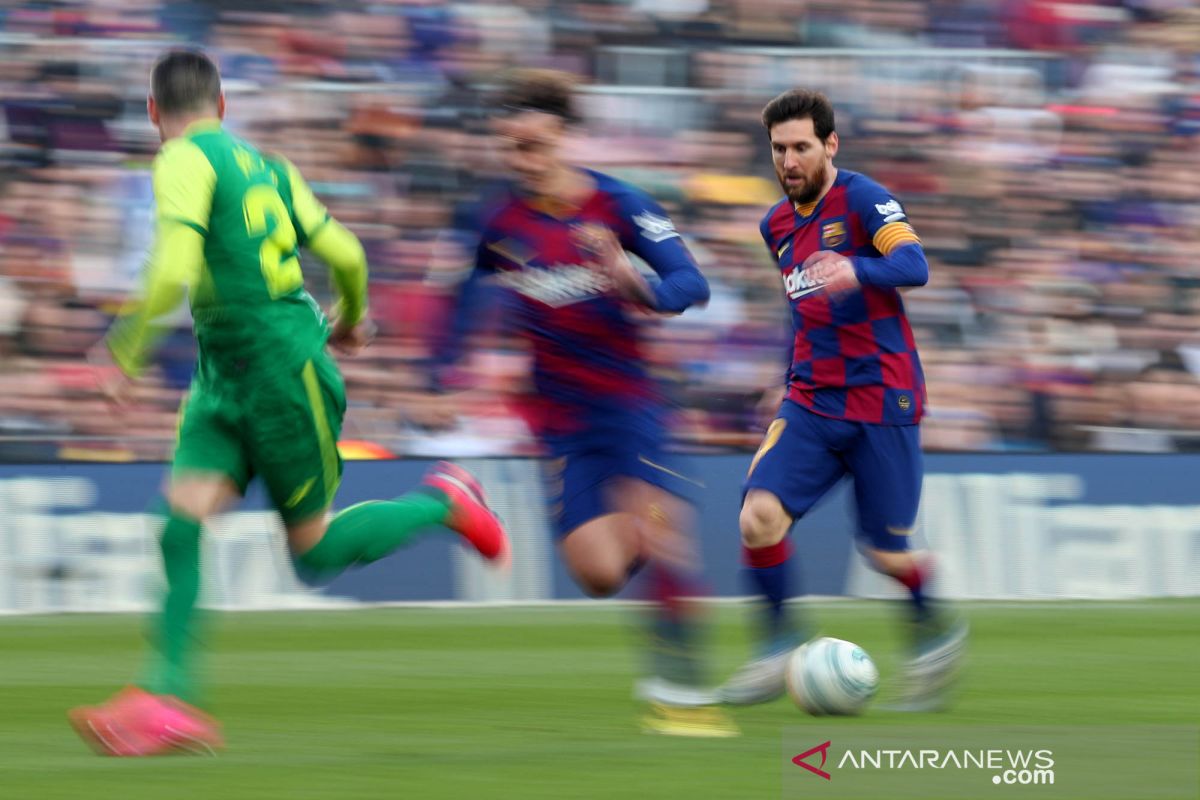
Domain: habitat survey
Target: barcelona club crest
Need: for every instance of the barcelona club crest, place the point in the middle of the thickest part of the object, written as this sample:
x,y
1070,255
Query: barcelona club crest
x,y
833,234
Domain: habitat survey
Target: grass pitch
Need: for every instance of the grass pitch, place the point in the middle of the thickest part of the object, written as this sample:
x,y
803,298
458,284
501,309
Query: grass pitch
x,y
534,702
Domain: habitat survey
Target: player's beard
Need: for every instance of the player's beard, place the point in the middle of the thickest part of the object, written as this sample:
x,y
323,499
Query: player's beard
x,y
810,190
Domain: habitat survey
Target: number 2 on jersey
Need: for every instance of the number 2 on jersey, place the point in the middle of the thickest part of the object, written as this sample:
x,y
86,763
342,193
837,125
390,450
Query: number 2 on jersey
x,y
280,267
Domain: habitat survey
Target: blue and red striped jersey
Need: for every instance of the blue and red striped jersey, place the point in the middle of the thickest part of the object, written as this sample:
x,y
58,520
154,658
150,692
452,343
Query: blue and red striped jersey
x,y
853,356
587,347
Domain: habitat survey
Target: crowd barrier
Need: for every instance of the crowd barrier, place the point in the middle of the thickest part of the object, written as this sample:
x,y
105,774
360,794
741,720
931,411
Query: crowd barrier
x,y
79,537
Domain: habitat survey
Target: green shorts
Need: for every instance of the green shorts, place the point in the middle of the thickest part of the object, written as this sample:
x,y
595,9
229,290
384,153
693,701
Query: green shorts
x,y
282,427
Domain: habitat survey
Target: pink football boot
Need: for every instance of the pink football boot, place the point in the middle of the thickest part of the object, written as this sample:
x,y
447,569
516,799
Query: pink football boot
x,y
137,723
469,512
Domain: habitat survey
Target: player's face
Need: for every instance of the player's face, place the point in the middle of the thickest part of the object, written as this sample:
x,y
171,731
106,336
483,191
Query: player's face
x,y
802,161
532,144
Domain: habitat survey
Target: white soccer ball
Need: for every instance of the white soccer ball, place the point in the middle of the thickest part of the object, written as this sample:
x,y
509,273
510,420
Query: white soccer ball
x,y
831,676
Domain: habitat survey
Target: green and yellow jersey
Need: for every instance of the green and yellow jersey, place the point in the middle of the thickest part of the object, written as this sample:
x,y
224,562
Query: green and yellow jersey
x,y
230,222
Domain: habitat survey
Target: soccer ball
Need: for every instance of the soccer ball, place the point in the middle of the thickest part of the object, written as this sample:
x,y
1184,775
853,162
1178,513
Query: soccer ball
x,y
831,676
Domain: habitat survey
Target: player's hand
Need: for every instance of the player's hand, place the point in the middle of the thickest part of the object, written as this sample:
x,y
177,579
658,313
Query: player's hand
x,y
117,388
767,407
115,385
833,270
614,263
351,339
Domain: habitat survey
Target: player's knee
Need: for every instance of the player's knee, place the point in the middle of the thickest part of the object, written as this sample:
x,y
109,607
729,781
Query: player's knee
x,y
197,508
601,581
889,562
600,577
200,498
763,521
303,536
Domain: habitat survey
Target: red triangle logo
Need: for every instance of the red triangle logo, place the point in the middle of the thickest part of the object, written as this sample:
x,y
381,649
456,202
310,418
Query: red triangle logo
x,y
823,749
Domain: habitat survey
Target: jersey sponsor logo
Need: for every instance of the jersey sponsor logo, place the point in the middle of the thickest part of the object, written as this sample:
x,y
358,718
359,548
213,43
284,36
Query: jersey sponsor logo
x,y
558,285
655,228
797,283
891,211
833,234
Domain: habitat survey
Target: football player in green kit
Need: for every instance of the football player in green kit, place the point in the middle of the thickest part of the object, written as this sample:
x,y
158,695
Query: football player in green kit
x,y
267,399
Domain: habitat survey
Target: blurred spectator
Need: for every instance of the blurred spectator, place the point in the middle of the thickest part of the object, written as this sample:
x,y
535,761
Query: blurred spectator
x,y
1053,171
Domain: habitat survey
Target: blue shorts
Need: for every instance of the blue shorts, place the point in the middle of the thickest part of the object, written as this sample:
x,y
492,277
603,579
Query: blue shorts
x,y
583,468
804,454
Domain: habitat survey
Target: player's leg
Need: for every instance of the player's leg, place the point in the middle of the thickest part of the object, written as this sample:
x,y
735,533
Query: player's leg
x,y
159,714
602,553
662,522
192,499
681,699
654,489
888,469
796,465
766,549
293,428
609,526
449,497
598,543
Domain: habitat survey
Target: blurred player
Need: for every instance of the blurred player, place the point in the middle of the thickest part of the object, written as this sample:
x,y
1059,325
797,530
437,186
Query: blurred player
x,y
854,396
553,253
266,400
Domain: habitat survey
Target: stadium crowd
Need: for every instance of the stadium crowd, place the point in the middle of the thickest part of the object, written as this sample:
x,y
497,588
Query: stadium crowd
x,y
1047,153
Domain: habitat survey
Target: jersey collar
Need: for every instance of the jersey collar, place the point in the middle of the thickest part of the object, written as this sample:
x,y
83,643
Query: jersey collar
x,y
202,125
806,209
556,207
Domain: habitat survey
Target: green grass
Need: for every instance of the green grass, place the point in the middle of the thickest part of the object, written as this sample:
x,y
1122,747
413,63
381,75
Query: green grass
x,y
535,702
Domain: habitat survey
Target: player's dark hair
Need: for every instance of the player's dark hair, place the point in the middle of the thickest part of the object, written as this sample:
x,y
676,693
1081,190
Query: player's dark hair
x,y
546,90
800,104
184,81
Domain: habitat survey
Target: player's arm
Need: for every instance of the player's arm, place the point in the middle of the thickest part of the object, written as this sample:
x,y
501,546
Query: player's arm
x,y
474,303
184,181
902,259
651,235
330,241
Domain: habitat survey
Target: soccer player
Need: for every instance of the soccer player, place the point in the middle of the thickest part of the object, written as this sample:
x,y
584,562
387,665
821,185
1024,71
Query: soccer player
x,y
266,401
553,255
854,394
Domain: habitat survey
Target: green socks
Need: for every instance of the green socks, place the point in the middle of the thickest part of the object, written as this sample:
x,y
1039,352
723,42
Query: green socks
x,y
358,535
171,666
368,531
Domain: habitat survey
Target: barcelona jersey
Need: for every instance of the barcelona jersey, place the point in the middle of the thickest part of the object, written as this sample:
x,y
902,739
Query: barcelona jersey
x,y
854,357
588,355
